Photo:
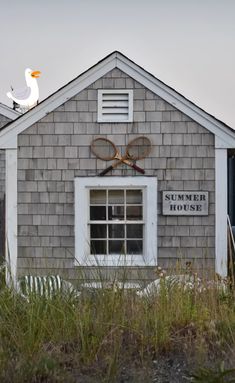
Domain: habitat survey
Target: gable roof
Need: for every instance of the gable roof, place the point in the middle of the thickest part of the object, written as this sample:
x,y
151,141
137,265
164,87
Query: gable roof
x,y
225,135
8,112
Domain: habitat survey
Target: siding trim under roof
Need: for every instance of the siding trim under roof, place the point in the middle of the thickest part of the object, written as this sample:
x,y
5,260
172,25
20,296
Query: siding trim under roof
x,y
225,135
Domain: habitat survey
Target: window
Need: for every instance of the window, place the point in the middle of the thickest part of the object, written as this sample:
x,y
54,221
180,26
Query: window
x,y
115,220
115,105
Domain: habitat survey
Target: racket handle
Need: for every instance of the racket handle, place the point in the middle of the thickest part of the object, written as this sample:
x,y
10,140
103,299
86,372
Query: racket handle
x,y
105,171
140,170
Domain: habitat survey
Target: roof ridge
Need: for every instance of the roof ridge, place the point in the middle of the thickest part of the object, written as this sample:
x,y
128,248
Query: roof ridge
x,y
112,60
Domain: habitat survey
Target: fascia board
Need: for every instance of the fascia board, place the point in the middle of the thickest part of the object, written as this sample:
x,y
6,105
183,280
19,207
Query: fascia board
x,y
176,100
8,112
221,144
56,100
133,70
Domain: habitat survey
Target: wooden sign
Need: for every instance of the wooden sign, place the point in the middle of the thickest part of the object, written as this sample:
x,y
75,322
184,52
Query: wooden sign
x,y
184,203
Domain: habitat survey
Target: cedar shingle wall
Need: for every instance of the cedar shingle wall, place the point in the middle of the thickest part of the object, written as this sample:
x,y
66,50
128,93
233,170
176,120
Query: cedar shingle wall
x,y
57,149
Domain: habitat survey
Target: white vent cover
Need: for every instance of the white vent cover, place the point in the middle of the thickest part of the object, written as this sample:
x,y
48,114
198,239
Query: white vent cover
x,y
115,105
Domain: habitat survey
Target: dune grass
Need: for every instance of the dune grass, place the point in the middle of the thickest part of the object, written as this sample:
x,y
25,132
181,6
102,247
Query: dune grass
x,y
60,339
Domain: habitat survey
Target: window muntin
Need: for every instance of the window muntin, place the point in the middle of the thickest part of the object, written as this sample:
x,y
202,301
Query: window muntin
x,y
116,223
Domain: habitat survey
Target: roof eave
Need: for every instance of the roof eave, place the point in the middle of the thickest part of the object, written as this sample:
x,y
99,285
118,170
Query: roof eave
x,y
217,127
8,112
117,59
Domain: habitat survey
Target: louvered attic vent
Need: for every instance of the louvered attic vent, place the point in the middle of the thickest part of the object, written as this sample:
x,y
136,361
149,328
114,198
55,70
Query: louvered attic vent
x,y
115,105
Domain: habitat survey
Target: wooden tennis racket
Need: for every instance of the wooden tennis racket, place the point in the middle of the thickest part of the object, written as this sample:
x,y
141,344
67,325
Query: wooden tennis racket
x,y
137,149
106,150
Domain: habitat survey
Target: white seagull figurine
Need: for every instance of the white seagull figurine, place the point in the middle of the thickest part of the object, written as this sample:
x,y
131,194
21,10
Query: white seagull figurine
x,y
27,97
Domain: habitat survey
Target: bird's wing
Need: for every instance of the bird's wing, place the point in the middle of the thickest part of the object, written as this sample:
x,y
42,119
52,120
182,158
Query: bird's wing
x,y
21,94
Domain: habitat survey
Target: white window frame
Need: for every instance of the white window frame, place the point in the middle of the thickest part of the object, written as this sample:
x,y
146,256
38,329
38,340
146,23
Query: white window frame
x,y
82,247
101,117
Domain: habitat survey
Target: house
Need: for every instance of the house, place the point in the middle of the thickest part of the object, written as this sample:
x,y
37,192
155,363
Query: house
x,y
6,115
63,217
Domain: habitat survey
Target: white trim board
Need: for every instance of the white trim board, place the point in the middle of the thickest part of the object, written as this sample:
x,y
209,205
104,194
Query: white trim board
x,y
221,212
116,60
82,248
8,112
54,101
11,215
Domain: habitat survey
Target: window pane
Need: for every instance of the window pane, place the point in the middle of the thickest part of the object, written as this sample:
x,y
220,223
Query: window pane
x,y
134,247
98,197
116,247
134,212
116,231
134,231
98,247
123,236
116,197
116,212
98,231
97,213
134,196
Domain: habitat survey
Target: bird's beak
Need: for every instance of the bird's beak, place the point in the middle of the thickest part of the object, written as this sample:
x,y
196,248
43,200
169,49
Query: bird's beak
x,y
36,74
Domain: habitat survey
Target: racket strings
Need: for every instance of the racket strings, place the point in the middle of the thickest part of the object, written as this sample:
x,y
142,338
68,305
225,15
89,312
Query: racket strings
x,y
103,149
138,148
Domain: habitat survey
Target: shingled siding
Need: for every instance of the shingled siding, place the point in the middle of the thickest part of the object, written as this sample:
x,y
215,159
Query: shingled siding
x,y
57,149
3,121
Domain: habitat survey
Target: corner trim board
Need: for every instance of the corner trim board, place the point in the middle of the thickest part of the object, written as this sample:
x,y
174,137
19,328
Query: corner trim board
x,y
11,216
221,212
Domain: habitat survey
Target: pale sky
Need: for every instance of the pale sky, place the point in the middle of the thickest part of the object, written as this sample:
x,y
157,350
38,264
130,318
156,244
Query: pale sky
x,y
188,44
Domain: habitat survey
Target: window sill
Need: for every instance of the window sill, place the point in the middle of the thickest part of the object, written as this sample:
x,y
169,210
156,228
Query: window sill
x,y
115,261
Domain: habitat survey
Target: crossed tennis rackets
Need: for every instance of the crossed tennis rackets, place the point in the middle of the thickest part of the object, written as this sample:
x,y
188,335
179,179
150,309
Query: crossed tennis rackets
x,y
106,150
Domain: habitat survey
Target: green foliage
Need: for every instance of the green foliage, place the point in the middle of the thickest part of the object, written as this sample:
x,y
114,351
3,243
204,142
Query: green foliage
x,y
46,340
221,375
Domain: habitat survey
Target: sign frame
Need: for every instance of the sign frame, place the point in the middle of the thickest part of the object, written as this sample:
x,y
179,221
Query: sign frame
x,y
185,203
